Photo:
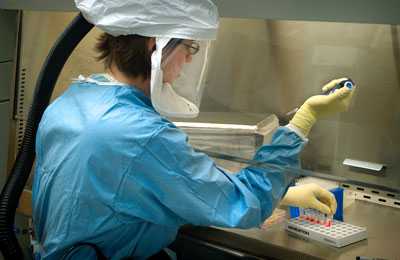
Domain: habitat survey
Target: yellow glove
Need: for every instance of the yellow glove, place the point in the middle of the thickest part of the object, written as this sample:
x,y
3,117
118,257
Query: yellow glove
x,y
311,196
320,106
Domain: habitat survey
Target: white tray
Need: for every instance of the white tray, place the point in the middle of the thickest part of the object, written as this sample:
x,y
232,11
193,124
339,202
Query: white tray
x,y
338,235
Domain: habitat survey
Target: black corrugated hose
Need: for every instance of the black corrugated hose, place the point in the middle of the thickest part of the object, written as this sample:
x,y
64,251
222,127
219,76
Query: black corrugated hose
x,y
16,181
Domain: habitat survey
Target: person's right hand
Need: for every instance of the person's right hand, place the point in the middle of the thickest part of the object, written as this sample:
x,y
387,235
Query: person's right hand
x,y
311,196
320,106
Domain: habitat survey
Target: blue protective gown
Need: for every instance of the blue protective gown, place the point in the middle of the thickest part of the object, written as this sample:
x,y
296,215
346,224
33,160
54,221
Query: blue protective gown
x,y
111,171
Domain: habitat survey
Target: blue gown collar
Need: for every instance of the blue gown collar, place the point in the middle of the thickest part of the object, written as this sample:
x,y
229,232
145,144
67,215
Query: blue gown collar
x,y
138,93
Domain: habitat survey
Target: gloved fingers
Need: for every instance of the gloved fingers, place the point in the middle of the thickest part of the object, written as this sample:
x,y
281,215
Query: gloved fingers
x,y
320,206
327,198
345,97
332,84
331,204
340,93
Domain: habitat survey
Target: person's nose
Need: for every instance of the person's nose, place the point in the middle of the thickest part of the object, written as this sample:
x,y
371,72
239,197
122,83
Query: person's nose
x,y
189,58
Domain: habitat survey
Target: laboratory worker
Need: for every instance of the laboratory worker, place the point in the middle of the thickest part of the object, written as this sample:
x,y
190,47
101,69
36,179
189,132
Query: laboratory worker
x,y
113,173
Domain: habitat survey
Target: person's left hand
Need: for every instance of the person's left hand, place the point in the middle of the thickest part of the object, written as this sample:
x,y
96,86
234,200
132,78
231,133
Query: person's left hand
x,y
311,196
326,105
320,106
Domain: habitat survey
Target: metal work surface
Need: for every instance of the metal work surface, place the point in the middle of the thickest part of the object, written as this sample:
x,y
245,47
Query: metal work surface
x,y
381,222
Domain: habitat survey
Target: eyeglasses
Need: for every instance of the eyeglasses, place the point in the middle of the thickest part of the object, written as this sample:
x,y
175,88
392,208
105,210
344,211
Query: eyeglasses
x,y
193,47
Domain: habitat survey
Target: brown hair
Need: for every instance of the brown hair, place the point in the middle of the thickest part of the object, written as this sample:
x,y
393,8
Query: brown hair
x,y
130,53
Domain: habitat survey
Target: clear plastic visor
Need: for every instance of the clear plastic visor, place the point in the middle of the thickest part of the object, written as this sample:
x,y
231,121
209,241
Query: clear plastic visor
x,y
184,67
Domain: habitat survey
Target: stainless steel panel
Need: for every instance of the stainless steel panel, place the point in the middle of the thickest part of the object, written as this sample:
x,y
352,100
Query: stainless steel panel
x,y
6,77
8,30
4,139
360,11
39,5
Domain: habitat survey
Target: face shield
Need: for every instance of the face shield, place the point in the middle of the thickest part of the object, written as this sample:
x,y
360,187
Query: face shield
x,y
178,94
179,69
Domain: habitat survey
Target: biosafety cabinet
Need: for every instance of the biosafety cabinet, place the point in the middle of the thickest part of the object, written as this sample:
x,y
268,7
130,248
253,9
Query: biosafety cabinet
x,y
269,57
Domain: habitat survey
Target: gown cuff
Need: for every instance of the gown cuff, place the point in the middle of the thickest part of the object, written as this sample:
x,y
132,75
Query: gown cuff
x,y
297,131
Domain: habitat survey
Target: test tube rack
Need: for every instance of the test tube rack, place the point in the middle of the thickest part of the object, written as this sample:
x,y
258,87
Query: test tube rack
x,y
339,234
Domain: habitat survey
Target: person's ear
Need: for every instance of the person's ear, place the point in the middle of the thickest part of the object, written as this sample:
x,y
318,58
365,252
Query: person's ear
x,y
152,44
